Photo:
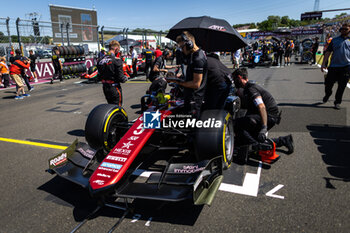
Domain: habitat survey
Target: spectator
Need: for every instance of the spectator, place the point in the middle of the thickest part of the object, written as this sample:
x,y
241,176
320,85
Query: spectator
x,y
236,59
279,53
133,55
23,74
287,53
16,69
157,52
4,73
57,65
102,53
338,71
314,49
148,55
33,58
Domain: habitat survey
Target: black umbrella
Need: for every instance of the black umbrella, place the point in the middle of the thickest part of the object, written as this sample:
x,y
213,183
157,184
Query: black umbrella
x,y
211,34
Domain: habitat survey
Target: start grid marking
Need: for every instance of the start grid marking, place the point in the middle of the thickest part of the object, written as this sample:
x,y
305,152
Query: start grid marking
x,y
250,185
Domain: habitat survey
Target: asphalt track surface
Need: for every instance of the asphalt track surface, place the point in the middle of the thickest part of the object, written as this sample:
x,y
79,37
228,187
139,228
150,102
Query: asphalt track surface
x,y
307,191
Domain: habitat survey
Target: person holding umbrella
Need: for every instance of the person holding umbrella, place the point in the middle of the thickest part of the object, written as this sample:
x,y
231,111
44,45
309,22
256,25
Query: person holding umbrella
x,y
196,73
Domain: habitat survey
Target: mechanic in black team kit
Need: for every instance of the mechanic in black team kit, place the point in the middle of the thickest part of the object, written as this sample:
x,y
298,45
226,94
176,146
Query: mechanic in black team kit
x,y
196,74
111,73
218,84
262,113
158,82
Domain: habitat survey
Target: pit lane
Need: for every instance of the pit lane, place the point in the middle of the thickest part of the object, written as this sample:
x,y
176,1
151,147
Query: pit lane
x,y
313,181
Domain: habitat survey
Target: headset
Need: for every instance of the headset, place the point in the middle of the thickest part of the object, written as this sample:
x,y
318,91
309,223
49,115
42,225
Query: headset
x,y
188,42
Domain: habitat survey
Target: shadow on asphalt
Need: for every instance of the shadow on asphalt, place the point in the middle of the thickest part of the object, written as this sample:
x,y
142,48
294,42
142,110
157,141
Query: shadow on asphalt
x,y
313,105
314,82
65,193
333,142
77,132
135,106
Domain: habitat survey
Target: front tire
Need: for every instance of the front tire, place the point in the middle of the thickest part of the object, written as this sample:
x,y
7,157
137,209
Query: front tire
x,y
211,142
101,128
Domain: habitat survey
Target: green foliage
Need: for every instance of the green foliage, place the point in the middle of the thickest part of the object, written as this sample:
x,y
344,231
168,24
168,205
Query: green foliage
x,y
273,22
342,14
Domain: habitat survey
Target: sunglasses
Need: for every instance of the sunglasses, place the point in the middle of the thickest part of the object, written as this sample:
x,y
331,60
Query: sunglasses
x,y
343,29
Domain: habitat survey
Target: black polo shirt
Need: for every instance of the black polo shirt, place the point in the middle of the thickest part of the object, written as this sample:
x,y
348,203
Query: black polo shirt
x,y
251,91
197,64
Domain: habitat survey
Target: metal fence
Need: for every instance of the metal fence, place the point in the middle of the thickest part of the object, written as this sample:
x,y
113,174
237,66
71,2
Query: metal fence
x,y
41,36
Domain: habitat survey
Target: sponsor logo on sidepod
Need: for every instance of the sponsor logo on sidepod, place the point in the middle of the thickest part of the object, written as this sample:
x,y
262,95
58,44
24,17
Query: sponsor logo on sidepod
x,y
103,175
111,165
116,158
58,160
99,182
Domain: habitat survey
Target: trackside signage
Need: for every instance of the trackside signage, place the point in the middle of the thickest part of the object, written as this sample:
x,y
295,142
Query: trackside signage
x,y
152,120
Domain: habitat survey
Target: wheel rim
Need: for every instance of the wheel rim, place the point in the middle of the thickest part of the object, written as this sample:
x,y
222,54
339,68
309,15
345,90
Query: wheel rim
x,y
229,141
113,131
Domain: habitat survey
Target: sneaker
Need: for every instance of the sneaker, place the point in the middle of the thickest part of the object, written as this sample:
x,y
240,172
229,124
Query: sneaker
x,y
287,141
337,106
19,98
36,80
25,95
325,99
31,88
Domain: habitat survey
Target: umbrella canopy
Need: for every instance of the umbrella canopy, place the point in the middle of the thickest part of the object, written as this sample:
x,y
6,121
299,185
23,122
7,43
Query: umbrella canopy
x,y
211,34
127,42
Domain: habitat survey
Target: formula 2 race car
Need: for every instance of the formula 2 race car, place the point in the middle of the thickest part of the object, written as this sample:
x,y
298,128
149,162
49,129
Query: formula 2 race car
x,y
140,160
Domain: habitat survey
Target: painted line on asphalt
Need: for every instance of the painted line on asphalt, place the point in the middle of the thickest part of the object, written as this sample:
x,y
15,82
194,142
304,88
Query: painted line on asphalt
x,y
33,143
250,185
275,189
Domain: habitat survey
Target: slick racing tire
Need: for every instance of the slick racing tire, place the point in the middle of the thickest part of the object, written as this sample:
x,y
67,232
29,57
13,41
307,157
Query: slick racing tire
x,y
307,43
101,128
307,56
212,142
92,69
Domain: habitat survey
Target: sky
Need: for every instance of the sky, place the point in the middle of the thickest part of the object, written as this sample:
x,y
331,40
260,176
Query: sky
x,y
162,15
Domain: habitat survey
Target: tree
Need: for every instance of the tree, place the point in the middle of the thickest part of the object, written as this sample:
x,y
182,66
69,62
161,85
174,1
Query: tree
x,y
342,14
285,21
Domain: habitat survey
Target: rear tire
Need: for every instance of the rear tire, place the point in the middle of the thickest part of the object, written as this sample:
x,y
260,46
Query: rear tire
x,y
101,128
212,142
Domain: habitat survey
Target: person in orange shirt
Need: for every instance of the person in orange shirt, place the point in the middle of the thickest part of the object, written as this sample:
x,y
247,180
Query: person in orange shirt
x,y
4,73
15,72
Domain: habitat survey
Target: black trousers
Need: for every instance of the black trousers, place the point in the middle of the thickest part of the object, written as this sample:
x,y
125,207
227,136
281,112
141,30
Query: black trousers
x,y
58,74
341,76
148,67
279,57
215,96
248,127
314,58
6,80
113,93
134,68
